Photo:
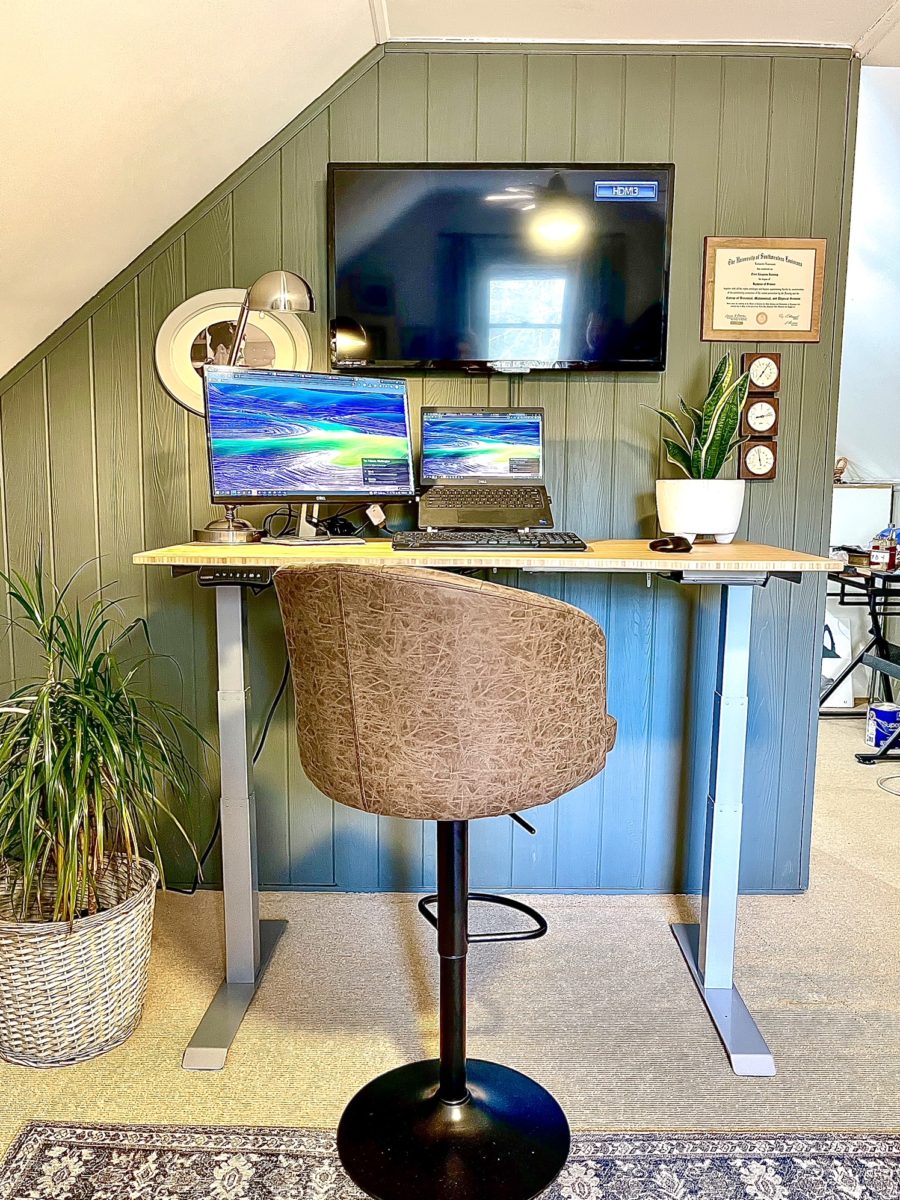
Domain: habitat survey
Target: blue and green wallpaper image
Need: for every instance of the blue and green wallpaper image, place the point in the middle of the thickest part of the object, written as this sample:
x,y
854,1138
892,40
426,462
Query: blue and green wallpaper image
x,y
279,436
460,447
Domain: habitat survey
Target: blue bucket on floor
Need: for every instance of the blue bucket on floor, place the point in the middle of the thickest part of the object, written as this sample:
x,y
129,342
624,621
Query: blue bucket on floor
x,y
883,721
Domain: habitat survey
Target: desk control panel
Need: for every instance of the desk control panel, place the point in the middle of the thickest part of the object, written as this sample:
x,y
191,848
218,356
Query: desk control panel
x,y
252,577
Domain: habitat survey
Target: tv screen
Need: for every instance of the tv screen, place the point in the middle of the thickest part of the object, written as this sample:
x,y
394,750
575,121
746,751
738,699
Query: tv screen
x,y
520,267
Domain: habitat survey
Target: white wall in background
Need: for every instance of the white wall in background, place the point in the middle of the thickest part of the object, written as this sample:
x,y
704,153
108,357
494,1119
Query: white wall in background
x,y
869,413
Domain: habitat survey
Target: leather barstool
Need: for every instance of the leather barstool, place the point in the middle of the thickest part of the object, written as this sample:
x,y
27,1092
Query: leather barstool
x,y
428,695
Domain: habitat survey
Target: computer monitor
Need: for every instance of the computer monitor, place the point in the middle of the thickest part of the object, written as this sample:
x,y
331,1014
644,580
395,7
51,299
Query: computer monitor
x,y
293,435
495,444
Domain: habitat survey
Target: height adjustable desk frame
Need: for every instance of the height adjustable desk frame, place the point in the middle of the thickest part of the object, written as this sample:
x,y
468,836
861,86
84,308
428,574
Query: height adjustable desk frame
x,y
708,947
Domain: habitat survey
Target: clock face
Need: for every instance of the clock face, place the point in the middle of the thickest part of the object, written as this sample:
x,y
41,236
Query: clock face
x,y
763,372
761,416
760,460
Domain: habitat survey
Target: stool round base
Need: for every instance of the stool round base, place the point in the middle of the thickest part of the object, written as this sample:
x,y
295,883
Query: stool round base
x,y
508,1141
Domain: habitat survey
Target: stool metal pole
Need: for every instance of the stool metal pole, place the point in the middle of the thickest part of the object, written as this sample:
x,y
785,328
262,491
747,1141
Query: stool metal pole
x,y
453,944
453,1128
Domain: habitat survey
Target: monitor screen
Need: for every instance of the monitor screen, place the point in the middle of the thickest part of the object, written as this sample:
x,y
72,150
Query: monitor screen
x,y
277,435
476,267
482,444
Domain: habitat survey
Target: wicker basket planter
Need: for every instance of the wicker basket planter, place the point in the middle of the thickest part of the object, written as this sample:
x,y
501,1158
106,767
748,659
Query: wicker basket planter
x,y
69,994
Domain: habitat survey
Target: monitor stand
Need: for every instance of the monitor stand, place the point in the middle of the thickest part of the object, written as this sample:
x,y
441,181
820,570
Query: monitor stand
x,y
308,535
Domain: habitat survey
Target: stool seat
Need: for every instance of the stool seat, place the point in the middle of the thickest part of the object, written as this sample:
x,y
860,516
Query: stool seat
x,y
433,696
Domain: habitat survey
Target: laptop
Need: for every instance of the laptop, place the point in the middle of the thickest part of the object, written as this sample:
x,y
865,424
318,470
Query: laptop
x,y
483,468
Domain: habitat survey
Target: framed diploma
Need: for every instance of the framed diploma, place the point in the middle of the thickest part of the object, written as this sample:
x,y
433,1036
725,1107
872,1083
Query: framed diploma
x,y
762,289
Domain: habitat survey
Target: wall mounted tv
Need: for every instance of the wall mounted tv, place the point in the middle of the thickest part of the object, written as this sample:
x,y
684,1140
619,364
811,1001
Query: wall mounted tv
x,y
519,267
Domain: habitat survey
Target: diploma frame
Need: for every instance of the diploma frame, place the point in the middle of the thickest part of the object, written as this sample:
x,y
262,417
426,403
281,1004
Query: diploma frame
x,y
711,331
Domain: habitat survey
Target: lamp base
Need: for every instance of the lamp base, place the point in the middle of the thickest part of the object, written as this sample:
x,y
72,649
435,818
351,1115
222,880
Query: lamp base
x,y
508,1141
229,530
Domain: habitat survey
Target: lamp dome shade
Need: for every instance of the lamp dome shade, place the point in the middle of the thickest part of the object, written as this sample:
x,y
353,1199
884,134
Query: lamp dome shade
x,y
281,291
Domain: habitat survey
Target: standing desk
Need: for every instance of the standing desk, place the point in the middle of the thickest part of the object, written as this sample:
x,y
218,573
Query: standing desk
x,y
708,947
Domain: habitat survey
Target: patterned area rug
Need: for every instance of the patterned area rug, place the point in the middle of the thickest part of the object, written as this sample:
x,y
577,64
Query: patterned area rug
x,y
147,1162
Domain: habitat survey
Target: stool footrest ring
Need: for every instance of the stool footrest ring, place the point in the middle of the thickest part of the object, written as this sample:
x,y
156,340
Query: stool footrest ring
x,y
509,935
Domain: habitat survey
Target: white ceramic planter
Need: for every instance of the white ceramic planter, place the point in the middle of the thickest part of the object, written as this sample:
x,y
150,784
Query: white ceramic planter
x,y
690,507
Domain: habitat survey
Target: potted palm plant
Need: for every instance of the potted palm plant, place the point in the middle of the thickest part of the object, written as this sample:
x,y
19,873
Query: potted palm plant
x,y
90,768
706,438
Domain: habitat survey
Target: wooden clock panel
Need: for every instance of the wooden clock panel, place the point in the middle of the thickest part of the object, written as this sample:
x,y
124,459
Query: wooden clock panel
x,y
752,412
769,371
754,459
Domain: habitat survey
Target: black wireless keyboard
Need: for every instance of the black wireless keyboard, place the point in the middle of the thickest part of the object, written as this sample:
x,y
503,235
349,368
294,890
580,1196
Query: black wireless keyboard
x,y
486,539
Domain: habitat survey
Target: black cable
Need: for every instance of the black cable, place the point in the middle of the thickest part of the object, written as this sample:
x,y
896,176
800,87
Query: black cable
x,y
201,863
260,744
271,713
289,520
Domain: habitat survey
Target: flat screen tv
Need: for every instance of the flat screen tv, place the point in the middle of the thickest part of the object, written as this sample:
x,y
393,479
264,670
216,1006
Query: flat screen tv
x,y
513,268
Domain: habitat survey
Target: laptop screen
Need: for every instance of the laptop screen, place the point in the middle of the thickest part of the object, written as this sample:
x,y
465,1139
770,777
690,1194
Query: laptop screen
x,y
493,444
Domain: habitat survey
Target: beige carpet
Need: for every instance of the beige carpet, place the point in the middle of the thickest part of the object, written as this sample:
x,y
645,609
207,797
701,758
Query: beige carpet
x,y
602,1010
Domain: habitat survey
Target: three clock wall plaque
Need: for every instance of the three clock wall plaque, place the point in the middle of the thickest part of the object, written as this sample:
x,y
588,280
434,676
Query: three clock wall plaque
x,y
762,289
758,458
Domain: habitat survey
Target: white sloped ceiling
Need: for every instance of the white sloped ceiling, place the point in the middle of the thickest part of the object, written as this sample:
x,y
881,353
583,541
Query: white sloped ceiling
x,y
117,118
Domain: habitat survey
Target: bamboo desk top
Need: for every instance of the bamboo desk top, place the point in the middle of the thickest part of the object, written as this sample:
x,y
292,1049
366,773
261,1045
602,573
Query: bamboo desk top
x,y
601,556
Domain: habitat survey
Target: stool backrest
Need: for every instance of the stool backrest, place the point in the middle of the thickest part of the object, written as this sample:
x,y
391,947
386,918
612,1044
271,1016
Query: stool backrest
x,y
428,695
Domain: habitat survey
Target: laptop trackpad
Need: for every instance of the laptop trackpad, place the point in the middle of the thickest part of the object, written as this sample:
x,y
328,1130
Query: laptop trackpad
x,y
486,516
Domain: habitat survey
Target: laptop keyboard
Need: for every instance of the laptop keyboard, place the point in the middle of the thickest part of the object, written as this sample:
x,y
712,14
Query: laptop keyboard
x,y
485,497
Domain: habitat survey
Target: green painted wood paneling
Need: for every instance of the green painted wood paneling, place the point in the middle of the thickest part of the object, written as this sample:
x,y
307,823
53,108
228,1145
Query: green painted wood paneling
x,y
771,507
307,839
117,411
26,494
403,108
166,499
838,92
500,118
353,132
403,131
6,664
740,189
257,241
696,87
208,263
631,625
73,495
303,164
760,139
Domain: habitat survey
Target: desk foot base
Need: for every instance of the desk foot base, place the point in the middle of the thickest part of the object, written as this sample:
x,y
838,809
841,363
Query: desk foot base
x,y
212,1039
744,1044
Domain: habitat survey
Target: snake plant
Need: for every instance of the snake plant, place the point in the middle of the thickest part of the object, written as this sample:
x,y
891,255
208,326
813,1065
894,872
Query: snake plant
x,y
706,439
90,766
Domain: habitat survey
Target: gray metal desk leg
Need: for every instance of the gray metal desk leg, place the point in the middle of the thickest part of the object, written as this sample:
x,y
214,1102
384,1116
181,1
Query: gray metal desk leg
x,y
249,942
709,946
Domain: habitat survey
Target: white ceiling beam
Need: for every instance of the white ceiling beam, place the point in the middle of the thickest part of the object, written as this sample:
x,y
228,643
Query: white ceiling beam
x,y
879,30
381,25
762,22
